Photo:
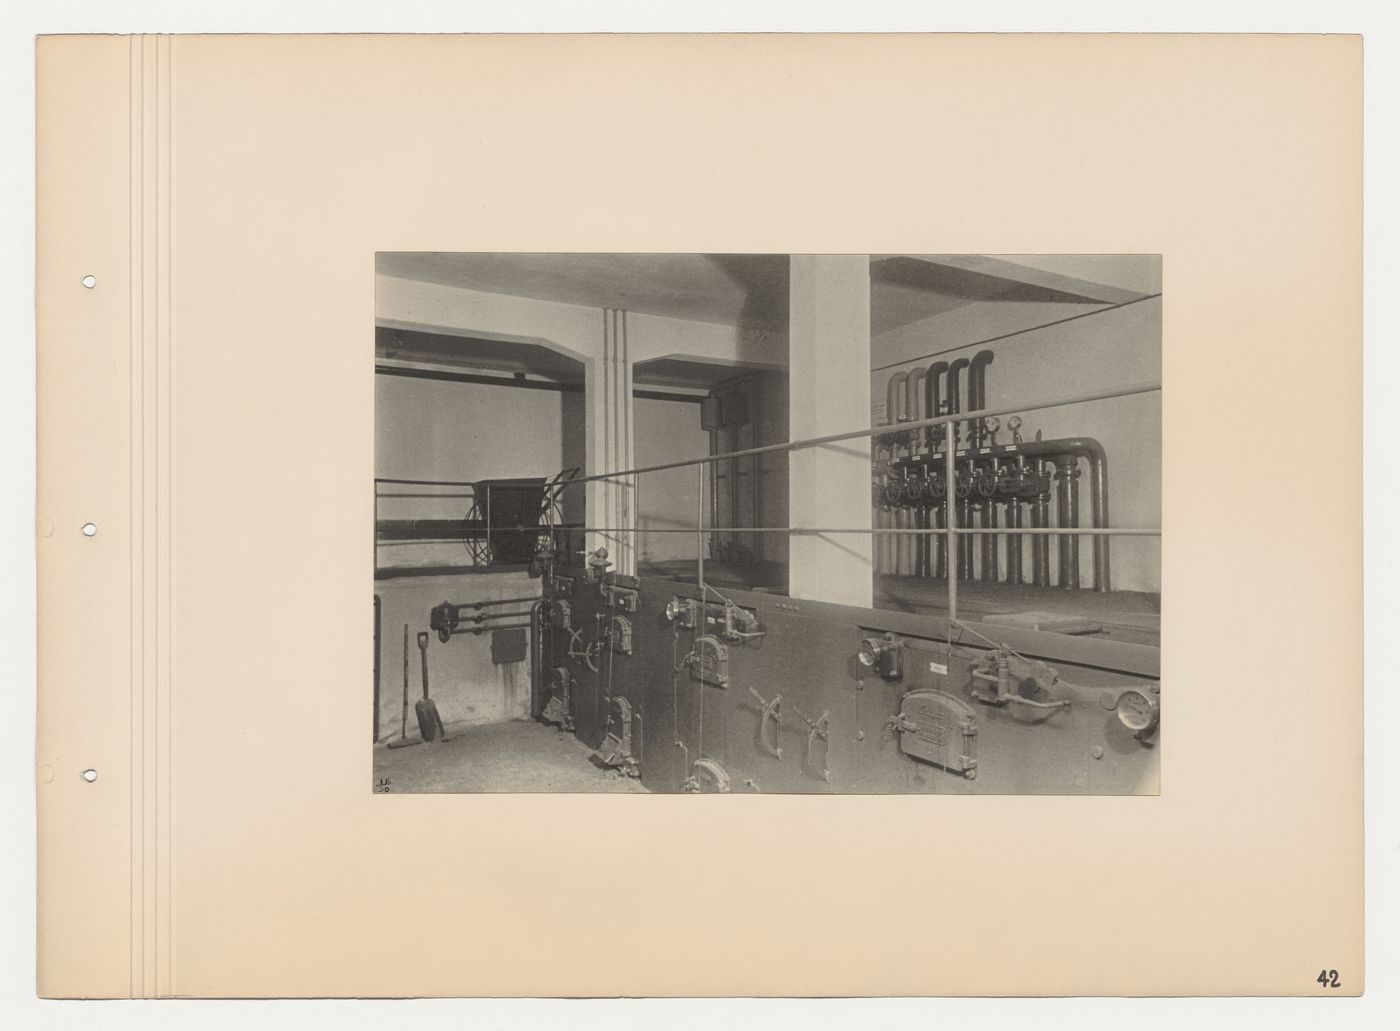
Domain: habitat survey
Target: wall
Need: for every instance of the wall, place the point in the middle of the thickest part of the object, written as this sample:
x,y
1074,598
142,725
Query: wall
x,y
771,389
1114,348
437,430
574,330
667,431
467,687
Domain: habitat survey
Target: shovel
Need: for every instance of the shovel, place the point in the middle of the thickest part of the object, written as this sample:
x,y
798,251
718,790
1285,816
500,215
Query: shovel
x,y
429,722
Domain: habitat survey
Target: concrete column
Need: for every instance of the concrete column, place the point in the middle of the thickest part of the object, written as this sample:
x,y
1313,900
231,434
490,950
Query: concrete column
x,y
614,503
829,392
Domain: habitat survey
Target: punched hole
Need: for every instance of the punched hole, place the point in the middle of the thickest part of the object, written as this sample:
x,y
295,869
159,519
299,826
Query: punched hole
x,y
89,281
89,775
89,529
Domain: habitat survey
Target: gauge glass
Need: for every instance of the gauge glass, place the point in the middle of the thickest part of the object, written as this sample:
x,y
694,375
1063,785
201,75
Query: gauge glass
x,y
1136,711
868,652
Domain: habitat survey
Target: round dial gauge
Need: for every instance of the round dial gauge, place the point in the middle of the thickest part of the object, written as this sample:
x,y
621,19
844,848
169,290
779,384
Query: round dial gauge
x,y
869,652
1138,709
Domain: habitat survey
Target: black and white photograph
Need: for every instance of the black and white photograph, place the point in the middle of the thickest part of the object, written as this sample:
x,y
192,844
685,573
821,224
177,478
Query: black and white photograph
x,y
952,444
784,523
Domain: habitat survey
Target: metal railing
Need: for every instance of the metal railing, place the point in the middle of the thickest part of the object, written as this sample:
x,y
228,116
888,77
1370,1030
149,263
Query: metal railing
x,y
628,479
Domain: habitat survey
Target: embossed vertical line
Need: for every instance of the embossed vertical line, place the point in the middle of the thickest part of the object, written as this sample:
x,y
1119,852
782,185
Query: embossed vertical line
x,y
164,433
149,417
134,433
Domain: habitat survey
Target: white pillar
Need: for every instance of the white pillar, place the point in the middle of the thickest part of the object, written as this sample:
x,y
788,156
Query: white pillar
x,y
829,392
615,504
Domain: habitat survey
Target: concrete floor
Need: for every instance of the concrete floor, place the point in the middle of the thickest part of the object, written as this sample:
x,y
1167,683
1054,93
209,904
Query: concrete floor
x,y
520,755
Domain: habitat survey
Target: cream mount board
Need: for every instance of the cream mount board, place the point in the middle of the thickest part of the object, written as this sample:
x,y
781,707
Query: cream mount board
x,y
206,405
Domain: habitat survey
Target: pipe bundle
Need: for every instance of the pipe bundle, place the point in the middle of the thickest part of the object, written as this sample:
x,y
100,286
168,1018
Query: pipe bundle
x,y
994,485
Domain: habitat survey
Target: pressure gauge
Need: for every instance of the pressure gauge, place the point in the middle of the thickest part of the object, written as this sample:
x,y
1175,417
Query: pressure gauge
x,y
1139,709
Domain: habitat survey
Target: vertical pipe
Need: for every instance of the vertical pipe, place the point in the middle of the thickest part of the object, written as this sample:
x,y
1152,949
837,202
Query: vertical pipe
x,y
1098,502
629,457
1037,543
914,410
933,401
536,646
886,541
1061,515
735,500
966,568
914,406
876,559
922,513
977,392
902,540
990,573
1067,516
940,541
966,544
1013,542
949,471
700,530
1074,522
714,472
955,397
979,363
1040,544
894,406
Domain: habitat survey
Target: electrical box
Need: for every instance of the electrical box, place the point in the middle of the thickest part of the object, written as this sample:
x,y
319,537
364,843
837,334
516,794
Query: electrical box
x,y
509,645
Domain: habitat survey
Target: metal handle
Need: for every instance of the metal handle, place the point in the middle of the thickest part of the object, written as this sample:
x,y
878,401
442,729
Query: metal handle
x,y
423,651
771,710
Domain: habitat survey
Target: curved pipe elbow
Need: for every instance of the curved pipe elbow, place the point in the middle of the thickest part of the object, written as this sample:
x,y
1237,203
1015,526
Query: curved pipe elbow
x,y
1086,447
933,398
914,395
954,387
977,380
894,397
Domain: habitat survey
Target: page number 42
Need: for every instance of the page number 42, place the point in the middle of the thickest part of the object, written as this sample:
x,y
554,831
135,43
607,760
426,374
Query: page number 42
x,y
1328,979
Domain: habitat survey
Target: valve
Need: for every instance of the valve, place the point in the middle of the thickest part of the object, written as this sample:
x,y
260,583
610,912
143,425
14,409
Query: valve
x,y
990,425
1008,480
1014,425
1014,678
597,561
739,624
